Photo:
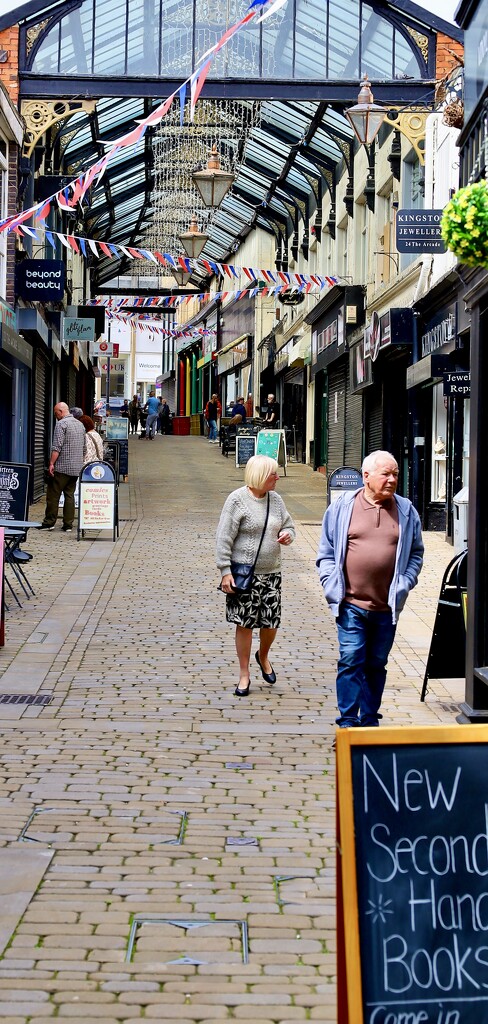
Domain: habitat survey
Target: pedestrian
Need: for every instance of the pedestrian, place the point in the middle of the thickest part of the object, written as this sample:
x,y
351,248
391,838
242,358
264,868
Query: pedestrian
x,y
272,414
253,526
152,406
76,412
134,414
238,412
369,558
65,465
249,406
124,409
93,442
164,414
213,410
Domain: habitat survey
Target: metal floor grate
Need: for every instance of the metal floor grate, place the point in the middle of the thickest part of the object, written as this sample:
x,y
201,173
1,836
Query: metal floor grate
x,y
26,698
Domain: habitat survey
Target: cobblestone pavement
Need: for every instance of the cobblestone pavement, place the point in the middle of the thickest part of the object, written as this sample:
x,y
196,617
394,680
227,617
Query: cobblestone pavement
x,y
199,826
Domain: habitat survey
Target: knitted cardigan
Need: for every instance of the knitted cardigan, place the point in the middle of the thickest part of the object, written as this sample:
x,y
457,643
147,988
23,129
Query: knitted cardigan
x,y
240,527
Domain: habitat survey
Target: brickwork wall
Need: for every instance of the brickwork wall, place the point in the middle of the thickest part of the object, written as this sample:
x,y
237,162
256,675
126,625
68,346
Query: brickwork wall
x,y
449,54
9,72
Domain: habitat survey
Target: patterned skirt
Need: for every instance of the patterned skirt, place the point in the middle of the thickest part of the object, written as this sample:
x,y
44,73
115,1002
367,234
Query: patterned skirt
x,y
260,607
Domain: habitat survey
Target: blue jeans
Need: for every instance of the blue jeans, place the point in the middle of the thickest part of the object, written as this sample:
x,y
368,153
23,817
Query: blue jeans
x,y
212,430
365,641
151,423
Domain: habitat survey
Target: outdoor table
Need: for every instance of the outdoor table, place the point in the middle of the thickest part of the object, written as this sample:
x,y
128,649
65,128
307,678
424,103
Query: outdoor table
x,y
14,532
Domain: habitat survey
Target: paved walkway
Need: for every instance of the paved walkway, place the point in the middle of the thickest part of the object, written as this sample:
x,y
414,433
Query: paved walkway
x,y
157,800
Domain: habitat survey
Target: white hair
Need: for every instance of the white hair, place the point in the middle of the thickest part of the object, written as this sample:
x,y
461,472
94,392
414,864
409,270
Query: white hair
x,y
371,461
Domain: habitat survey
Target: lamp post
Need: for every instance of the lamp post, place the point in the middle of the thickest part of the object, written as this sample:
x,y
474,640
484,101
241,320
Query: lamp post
x,y
213,183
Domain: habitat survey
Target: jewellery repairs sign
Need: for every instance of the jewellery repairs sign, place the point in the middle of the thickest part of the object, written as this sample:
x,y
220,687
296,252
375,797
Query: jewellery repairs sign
x,y
419,231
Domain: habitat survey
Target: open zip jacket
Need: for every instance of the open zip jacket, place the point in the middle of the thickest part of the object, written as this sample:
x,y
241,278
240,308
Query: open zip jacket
x,y
333,545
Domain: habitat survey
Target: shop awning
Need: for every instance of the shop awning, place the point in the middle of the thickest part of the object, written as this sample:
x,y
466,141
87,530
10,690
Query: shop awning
x,y
232,344
301,352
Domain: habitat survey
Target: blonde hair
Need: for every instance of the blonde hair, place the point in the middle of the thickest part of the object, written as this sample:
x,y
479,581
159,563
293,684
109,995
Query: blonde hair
x,y
258,469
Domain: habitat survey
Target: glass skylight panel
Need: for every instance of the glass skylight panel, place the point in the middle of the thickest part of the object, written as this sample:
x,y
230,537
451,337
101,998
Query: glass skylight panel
x,y
75,57
143,38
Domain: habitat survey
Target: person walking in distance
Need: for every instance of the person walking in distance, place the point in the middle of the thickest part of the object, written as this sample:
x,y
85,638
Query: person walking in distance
x,y
211,415
369,558
152,406
164,414
65,465
134,414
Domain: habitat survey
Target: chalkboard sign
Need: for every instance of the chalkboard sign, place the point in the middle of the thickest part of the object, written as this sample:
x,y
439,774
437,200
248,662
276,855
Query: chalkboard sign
x,y
247,428
14,490
273,443
111,454
124,458
245,448
413,875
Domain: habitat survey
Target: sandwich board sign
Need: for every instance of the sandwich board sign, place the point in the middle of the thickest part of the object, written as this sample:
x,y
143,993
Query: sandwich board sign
x,y
273,443
412,890
97,506
245,448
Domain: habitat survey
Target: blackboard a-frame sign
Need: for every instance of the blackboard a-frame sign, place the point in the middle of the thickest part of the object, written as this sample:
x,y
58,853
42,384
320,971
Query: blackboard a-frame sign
x,y
245,448
412,879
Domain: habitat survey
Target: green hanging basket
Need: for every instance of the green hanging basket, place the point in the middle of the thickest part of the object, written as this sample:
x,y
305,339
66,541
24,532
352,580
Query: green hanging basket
x,y
464,224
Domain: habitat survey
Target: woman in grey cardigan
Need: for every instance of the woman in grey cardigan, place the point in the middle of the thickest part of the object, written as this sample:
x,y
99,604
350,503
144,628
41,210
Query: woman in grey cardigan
x,y
238,536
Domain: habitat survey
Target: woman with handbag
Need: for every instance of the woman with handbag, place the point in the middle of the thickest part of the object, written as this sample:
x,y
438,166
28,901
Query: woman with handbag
x,y
253,526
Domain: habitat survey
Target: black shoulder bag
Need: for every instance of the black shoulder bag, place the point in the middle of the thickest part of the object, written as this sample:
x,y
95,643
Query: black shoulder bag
x,y
242,572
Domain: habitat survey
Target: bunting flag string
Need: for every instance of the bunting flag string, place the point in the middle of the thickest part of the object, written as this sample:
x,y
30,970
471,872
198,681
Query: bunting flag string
x,y
155,301
78,244
74,192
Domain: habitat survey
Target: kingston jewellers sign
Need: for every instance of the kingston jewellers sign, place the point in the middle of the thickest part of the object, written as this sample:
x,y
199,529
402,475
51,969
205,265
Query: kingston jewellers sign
x,y
41,280
419,231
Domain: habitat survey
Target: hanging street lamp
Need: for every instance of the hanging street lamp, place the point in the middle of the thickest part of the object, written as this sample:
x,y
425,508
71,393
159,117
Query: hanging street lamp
x,y
366,117
181,276
193,240
213,183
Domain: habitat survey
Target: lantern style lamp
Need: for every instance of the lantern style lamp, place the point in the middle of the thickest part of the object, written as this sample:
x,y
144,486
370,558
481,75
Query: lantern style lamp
x,y
212,183
366,117
181,276
193,240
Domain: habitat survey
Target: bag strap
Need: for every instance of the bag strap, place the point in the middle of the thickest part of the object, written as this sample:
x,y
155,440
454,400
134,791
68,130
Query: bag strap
x,y
262,536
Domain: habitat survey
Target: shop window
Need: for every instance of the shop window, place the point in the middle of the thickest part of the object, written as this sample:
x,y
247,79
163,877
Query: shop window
x,y
439,434
466,443
361,239
385,263
341,249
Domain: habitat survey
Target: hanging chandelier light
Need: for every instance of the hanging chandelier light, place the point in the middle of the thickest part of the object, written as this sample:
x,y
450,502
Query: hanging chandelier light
x,y
213,183
193,240
366,117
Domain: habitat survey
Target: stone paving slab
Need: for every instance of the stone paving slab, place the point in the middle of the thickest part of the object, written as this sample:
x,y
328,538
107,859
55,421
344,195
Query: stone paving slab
x,y
143,734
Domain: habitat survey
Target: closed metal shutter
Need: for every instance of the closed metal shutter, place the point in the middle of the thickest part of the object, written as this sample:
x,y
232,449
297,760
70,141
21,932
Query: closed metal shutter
x,y
354,427
336,416
374,418
40,431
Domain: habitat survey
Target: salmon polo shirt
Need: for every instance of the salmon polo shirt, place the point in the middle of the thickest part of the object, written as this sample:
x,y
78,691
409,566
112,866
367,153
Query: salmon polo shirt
x,y
372,541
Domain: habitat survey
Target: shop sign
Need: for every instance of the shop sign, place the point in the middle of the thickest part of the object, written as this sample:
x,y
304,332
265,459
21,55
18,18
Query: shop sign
x,y
327,337
97,501
7,316
361,369
40,280
344,479
148,368
440,334
14,490
101,348
419,231
15,345
54,343
78,329
457,383
237,354
393,328
114,367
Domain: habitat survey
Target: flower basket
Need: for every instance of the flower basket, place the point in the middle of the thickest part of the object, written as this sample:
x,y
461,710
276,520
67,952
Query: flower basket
x,y
454,114
464,224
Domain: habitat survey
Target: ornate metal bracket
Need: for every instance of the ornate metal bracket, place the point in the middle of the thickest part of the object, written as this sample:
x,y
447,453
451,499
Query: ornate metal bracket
x,y
41,115
410,123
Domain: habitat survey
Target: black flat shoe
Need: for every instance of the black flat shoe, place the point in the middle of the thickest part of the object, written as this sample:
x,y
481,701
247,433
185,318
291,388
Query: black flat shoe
x,y
269,677
242,693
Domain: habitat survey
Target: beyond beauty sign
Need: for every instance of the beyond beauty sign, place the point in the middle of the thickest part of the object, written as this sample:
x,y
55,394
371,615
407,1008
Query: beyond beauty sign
x,y
40,280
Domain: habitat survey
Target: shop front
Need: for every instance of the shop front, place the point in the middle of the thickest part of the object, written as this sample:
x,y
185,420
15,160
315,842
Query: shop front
x,y
234,368
387,353
439,408
16,369
338,411
36,333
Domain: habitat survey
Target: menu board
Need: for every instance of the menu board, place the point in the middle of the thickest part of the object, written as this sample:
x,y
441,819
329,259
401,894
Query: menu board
x,y
413,875
14,490
272,443
245,448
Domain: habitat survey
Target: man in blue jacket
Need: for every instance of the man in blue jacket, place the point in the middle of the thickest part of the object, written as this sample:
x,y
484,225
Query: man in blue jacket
x,y
369,558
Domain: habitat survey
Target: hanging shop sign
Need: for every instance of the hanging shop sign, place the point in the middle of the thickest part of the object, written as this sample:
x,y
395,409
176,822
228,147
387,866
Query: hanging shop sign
x,y
101,348
40,280
360,368
457,383
419,231
395,327
78,329
14,490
